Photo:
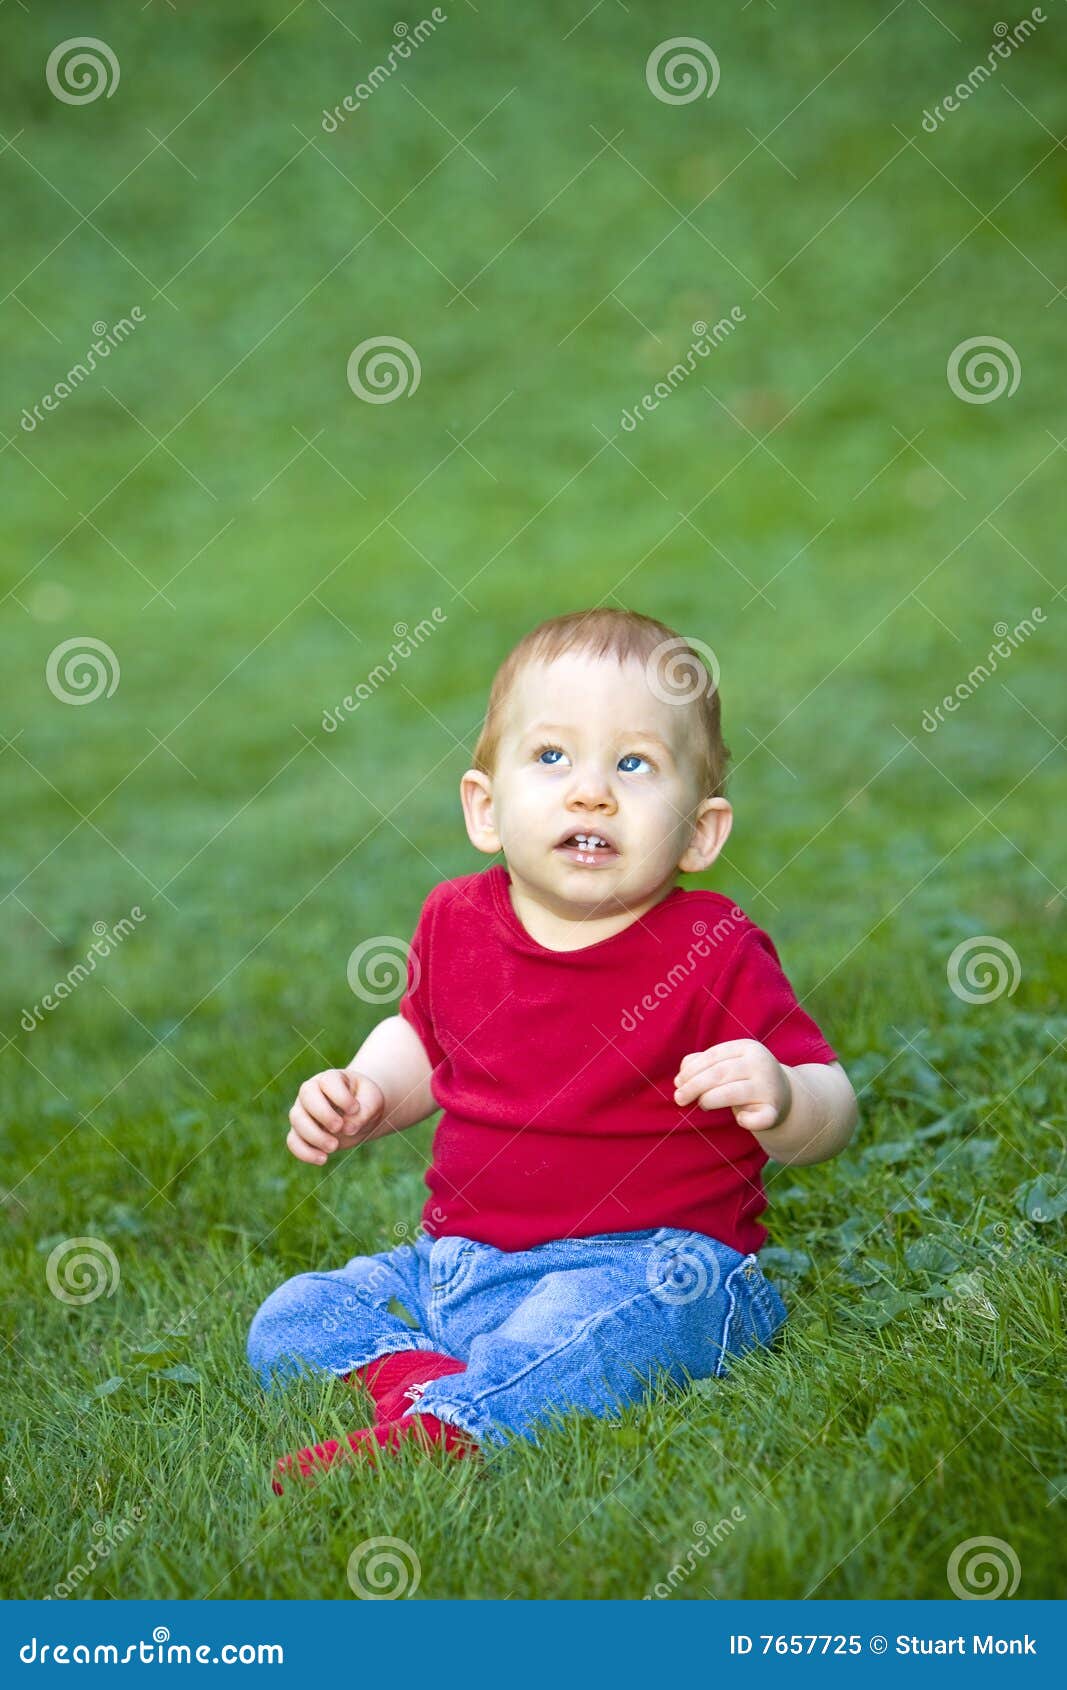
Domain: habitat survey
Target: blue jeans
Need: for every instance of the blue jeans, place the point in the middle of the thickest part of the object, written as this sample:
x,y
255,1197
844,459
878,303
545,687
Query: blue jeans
x,y
585,1324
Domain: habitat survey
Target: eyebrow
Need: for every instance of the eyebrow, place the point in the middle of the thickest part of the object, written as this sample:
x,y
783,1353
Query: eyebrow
x,y
624,733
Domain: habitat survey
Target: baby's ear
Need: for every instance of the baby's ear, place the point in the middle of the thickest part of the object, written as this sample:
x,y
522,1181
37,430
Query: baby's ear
x,y
711,830
476,796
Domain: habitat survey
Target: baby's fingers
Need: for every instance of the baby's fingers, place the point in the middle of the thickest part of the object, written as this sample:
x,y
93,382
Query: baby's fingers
x,y
310,1131
304,1152
337,1088
730,1049
734,1094
757,1117
313,1100
689,1086
353,1125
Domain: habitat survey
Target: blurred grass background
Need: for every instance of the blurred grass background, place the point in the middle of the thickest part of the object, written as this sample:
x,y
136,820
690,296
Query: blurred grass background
x,y
815,503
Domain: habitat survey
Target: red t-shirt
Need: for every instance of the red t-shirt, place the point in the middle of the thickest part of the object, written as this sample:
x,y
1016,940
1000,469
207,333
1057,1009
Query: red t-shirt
x,y
555,1069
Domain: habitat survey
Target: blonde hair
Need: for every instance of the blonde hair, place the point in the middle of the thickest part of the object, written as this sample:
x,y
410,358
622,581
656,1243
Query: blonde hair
x,y
624,635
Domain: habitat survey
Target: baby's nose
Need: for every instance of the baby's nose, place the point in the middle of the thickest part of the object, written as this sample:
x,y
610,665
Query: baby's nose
x,y
592,788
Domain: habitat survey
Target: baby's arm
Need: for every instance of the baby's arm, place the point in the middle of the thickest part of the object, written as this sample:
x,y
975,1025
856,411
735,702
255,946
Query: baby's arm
x,y
821,1118
392,1055
802,1114
385,1088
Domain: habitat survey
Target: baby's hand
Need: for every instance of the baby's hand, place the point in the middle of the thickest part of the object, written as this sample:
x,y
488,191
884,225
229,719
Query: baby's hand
x,y
741,1075
333,1111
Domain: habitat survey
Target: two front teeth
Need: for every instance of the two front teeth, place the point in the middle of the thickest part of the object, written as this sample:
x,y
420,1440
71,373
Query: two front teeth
x,y
592,843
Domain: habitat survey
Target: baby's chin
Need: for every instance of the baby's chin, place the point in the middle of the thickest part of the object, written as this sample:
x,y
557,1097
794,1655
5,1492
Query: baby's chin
x,y
580,891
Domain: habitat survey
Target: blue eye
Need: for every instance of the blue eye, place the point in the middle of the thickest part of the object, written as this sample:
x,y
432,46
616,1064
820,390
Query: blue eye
x,y
549,756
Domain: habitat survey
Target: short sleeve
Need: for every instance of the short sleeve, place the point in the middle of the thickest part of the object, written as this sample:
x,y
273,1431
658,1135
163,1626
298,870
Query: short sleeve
x,y
753,999
415,1005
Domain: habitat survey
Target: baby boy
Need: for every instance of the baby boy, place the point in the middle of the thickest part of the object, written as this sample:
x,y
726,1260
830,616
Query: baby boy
x,y
615,1057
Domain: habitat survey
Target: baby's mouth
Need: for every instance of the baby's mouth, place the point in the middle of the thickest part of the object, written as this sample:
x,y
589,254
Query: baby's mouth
x,y
591,850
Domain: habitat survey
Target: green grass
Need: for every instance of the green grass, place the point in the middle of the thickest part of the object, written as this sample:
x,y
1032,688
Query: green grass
x,y
912,1402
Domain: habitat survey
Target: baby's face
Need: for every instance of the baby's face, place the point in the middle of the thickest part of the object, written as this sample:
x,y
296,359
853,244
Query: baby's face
x,y
588,750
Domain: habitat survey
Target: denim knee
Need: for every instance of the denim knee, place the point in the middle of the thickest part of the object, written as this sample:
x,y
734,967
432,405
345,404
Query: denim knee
x,y
306,1321
325,1322
271,1332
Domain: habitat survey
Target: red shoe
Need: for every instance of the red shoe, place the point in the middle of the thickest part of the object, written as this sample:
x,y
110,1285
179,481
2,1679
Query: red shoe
x,y
368,1442
395,1381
